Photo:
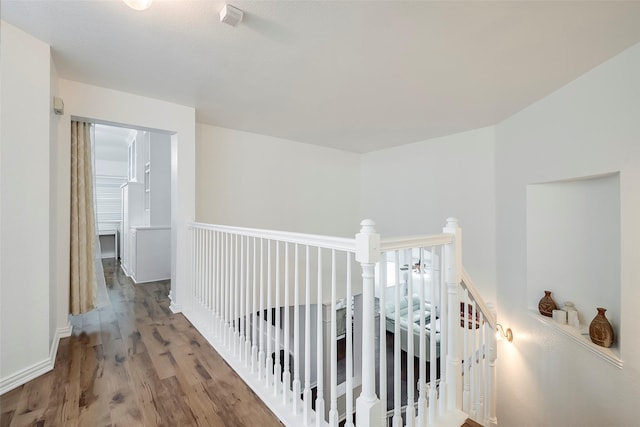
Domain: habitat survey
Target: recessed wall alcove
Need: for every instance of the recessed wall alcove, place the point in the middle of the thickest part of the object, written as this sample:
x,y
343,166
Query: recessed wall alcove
x,y
573,250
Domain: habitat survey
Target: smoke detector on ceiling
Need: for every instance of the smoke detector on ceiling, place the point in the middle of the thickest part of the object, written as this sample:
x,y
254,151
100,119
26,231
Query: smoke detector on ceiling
x,y
230,15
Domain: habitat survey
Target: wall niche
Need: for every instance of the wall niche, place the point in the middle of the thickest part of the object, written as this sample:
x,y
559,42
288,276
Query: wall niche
x,y
573,250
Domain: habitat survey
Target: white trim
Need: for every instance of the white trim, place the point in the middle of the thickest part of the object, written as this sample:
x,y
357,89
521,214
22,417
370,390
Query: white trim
x,y
327,242
582,337
482,306
175,308
25,375
62,332
34,371
408,242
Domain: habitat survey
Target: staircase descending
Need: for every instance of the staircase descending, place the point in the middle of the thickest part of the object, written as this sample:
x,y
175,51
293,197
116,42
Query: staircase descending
x,y
335,331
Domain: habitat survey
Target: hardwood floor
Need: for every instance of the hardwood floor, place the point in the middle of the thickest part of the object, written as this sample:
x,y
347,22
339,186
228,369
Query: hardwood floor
x,y
131,362
471,423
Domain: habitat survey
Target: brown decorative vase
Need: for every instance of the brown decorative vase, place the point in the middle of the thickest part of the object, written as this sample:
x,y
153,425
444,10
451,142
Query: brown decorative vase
x,y
600,329
547,304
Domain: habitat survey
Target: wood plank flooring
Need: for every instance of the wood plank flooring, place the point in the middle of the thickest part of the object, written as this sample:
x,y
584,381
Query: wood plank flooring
x,y
471,423
131,362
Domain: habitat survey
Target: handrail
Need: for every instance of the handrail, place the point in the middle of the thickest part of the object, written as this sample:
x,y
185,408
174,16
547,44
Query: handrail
x,y
398,243
475,294
238,274
326,242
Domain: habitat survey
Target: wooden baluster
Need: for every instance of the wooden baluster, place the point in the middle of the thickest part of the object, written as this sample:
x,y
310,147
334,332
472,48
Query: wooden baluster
x,y
397,362
492,352
277,370
261,316
239,338
203,271
247,310
225,291
444,327
228,289
286,376
190,254
232,289
473,365
433,350
475,378
196,282
209,285
320,349
254,312
219,282
333,411
214,280
349,342
269,316
205,282
203,275
296,333
234,296
192,272
241,317
422,376
410,414
307,339
467,353
383,338
487,331
210,280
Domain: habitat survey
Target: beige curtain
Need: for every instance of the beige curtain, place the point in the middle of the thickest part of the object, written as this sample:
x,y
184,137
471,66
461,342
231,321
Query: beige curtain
x,y
83,226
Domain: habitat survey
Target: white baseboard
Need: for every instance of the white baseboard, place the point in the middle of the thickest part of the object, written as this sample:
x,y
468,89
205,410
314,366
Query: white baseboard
x,y
175,308
25,375
62,332
29,373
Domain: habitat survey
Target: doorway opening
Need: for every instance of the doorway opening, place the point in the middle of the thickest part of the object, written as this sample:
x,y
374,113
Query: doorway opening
x,y
132,179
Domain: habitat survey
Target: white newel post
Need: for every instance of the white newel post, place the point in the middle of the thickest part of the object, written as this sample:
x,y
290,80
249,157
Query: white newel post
x,y
492,420
453,276
368,406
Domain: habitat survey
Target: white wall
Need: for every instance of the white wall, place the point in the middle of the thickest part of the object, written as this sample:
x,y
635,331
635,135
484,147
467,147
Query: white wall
x,y
413,189
25,205
110,106
257,181
588,127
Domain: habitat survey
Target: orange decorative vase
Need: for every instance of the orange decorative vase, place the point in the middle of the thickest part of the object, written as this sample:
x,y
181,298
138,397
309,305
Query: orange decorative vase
x,y
547,304
600,330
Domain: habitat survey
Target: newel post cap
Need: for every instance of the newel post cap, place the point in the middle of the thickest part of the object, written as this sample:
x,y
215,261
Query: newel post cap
x,y
452,225
367,243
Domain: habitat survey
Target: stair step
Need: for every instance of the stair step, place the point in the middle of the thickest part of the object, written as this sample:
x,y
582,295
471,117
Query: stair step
x,y
470,423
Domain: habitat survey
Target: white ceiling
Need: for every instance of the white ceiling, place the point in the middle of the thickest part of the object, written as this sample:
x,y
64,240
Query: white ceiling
x,y
354,75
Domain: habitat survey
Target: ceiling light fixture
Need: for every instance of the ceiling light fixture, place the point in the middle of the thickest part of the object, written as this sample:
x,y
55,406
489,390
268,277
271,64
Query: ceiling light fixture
x,y
230,15
138,4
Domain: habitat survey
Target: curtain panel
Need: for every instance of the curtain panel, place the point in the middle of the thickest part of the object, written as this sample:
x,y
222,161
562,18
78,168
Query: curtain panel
x,y
83,226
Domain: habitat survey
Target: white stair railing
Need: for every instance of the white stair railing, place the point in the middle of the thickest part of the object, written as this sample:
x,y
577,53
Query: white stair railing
x,y
480,354
269,303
